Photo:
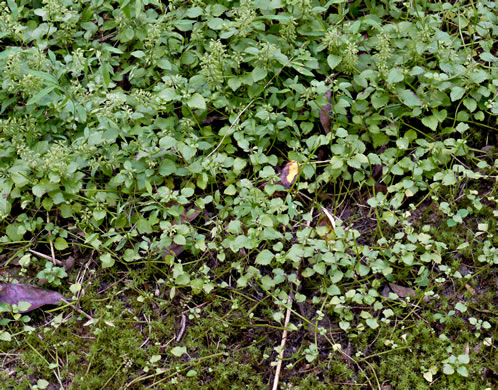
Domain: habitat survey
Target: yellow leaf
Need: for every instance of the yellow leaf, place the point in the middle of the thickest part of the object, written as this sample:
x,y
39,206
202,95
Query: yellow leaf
x,y
289,174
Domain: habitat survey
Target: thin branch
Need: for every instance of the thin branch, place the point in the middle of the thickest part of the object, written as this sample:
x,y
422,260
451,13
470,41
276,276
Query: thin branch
x,y
53,259
282,344
182,328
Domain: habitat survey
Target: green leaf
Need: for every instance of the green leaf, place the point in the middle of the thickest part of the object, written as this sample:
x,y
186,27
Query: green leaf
x,y
60,244
448,369
234,83
99,215
40,95
183,279
107,260
167,167
15,232
461,307
268,4
230,190
144,226
178,351
38,190
456,93
379,99
478,76
409,98
197,101
462,370
217,23
179,239
23,306
395,76
44,76
13,8
449,179
168,94
20,179
320,268
5,336
333,290
470,104
259,74
333,61
264,257
138,53
462,127
463,358
431,122
372,323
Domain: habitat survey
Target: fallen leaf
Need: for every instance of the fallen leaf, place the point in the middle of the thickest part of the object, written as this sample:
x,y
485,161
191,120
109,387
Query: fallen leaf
x,y
289,174
329,216
402,292
69,264
326,113
470,289
174,250
13,293
212,118
379,187
188,215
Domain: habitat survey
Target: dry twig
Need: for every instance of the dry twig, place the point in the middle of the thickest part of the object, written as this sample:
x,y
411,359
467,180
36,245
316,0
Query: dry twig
x,y
282,344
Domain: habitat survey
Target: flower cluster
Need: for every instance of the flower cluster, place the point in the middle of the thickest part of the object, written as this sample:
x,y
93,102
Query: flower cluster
x,y
213,63
384,53
350,59
332,40
245,18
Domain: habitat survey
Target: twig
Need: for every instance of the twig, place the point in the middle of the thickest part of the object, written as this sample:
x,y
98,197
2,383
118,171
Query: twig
x,y
196,307
77,309
53,259
282,344
103,39
51,244
182,328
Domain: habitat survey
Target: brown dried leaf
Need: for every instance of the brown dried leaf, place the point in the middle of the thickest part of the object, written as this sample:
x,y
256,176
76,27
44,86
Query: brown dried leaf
x,y
212,118
325,117
13,293
188,215
401,291
69,264
377,171
330,217
326,113
470,289
174,250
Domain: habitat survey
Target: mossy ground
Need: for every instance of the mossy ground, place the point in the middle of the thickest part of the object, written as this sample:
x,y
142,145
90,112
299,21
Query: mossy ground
x,y
228,347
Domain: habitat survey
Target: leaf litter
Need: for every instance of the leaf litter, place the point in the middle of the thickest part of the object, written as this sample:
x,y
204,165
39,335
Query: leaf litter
x,y
13,293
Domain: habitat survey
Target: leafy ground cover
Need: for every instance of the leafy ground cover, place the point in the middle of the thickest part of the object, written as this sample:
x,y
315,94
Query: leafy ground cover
x,y
142,155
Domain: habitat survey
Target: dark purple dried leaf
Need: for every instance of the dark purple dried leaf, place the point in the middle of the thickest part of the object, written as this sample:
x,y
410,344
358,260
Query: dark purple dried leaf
x,y
13,293
325,119
326,113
